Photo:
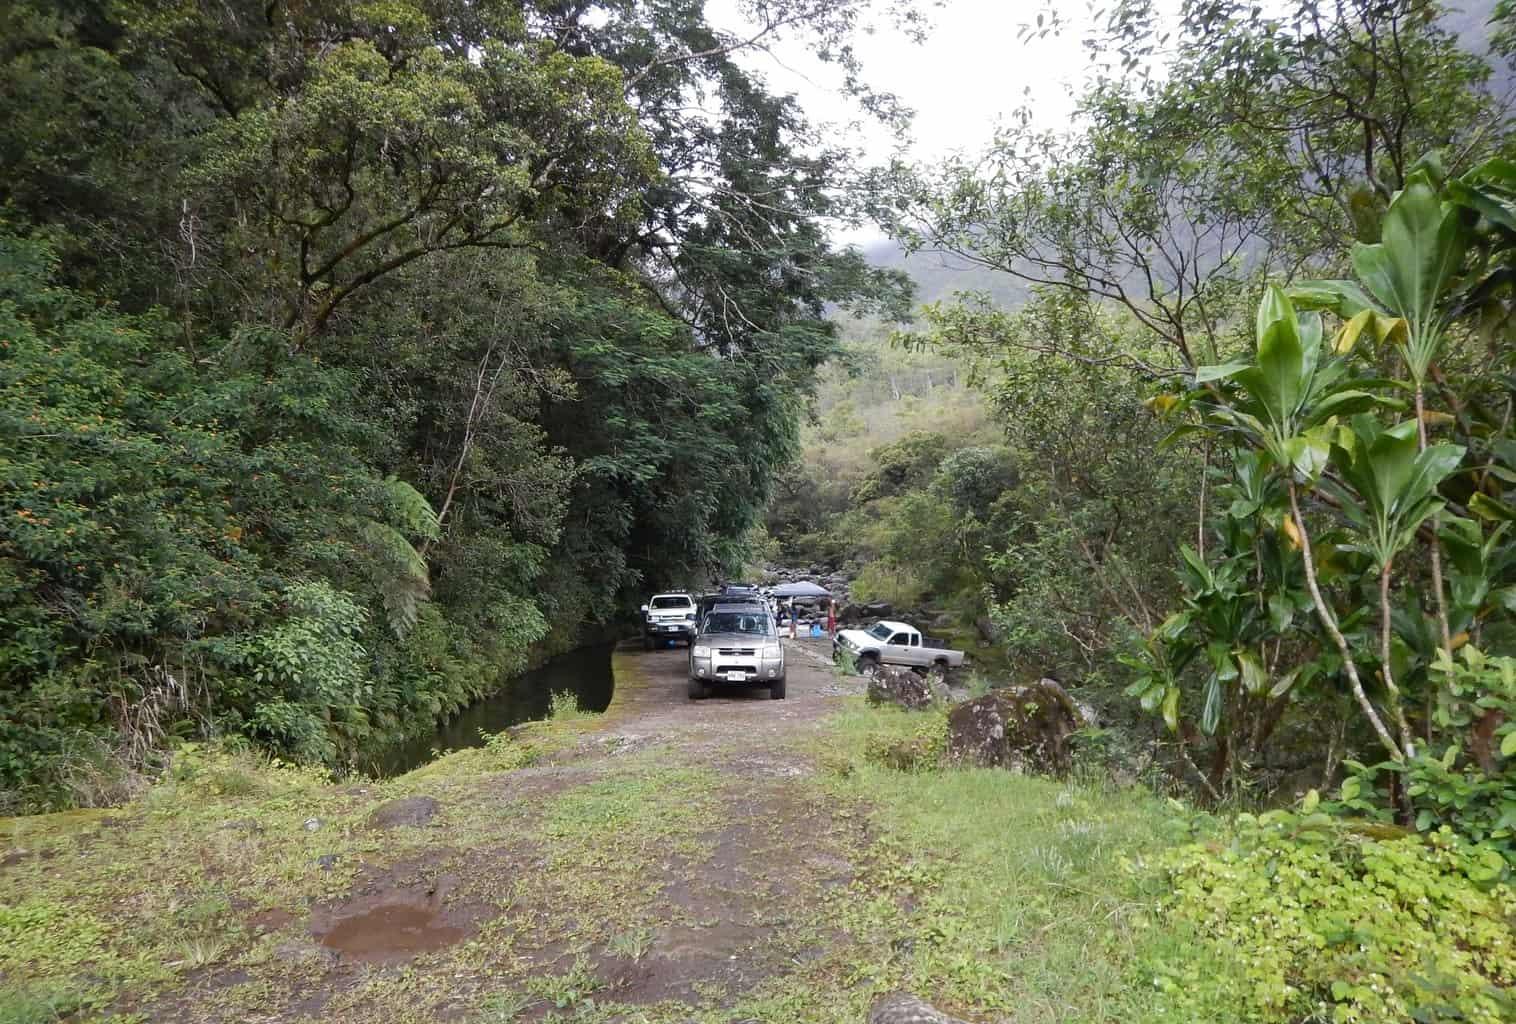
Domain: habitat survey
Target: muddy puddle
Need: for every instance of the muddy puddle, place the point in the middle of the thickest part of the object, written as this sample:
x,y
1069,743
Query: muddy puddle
x,y
394,925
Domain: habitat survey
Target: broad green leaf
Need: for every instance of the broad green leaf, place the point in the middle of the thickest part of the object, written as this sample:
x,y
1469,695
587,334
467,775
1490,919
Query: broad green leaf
x,y
1221,371
1281,612
1210,713
1486,507
1173,626
1255,678
1197,564
1171,708
1300,674
1307,453
1344,403
1282,360
1508,744
1486,202
1345,298
1179,433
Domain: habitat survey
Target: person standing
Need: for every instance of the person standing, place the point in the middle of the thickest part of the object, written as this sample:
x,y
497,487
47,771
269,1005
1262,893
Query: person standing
x,y
831,617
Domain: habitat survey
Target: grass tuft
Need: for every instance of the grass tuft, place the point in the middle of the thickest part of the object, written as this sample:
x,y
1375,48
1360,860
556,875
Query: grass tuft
x,y
563,706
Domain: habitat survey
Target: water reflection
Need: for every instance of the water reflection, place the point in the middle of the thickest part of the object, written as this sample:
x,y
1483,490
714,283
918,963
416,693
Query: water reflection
x,y
586,673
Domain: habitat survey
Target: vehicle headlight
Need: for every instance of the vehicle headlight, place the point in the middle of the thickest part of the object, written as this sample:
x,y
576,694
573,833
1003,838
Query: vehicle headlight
x,y
701,651
773,651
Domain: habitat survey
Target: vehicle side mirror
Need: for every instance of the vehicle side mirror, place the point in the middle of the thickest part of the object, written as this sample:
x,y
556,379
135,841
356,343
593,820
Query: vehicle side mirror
x,y
644,609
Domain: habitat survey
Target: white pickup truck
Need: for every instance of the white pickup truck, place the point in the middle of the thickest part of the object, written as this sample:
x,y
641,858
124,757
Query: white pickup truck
x,y
893,643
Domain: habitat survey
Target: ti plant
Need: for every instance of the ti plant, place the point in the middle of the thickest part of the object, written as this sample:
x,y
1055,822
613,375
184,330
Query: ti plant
x,y
1387,489
1342,508
1286,404
1405,297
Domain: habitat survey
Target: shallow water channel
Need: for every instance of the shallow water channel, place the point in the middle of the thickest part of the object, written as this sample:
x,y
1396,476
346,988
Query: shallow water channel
x,y
586,673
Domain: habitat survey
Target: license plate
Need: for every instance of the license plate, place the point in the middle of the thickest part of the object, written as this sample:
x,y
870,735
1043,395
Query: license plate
x,y
736,677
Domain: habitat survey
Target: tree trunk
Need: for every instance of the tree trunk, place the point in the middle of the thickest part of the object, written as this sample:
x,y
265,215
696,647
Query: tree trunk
x,y
1329,623
1407,743
1433,544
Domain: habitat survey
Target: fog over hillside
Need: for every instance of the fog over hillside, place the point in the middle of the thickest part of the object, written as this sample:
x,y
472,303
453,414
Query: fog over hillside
x,y
940,276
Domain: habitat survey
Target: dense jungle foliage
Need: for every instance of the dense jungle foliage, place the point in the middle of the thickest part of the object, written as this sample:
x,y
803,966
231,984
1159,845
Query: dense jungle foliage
x,y
355,353
1280,530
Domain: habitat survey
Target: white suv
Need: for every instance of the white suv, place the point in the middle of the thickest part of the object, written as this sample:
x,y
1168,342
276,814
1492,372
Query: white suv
x,y
668,617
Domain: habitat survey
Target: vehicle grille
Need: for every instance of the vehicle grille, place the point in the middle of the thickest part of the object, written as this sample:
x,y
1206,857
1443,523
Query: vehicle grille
x,y
751,670
737,652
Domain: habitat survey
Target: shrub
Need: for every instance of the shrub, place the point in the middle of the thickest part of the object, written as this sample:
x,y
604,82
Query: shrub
x,y
1470,789
886,581
564,706
920,748
1325,923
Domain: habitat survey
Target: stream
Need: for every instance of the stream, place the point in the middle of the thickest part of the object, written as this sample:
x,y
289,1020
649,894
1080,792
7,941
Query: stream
x,y
585,672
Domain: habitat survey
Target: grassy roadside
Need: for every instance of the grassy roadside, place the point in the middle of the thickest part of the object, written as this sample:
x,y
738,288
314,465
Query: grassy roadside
x,y
593,885
999,896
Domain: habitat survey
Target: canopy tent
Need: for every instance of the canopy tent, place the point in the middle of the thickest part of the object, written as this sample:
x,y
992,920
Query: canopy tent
x,y
801,589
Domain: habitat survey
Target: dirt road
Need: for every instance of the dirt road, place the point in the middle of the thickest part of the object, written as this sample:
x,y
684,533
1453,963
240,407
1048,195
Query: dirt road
x,y
671,860
727,861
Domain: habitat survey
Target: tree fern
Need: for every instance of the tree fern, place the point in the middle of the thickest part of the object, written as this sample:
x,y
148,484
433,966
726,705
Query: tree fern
x,y
396,567
399,573
409,511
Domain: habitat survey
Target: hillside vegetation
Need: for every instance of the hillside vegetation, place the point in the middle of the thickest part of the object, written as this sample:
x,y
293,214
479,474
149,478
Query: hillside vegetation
x,y
357,354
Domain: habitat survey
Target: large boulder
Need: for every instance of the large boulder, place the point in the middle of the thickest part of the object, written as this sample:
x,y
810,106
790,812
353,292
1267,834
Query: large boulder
x,y
1024,728
879,610
412,810
850,614
891,684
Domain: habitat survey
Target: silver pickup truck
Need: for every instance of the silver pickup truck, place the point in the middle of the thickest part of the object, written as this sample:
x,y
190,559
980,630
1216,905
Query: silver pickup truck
x,y
893,643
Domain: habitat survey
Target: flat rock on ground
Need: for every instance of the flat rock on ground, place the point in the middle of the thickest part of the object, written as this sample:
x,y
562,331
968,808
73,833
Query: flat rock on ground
x,y
411,810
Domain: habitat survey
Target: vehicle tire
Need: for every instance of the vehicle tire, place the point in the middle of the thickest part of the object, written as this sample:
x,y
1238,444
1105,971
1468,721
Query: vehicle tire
x,y
776,689
868,665
698,690
938,673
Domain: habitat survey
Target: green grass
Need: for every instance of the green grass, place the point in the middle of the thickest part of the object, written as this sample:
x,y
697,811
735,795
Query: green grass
x,y
996,893
563,706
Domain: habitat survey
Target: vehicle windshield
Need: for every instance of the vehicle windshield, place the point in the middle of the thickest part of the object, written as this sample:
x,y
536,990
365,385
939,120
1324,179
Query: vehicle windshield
x,y
753,622
676,601
881,631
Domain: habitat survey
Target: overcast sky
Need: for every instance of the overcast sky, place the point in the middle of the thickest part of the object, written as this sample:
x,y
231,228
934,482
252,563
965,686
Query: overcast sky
x,y
972,69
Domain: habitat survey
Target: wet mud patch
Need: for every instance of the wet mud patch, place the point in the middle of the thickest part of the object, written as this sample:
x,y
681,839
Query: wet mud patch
x,y
744,913
397,923
691,980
